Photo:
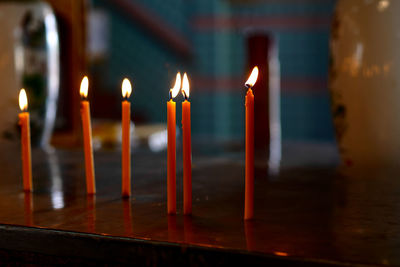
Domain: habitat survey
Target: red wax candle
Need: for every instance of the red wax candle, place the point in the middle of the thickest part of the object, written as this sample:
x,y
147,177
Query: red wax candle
x,y
126,138
87,137
171,151
187,149
25,142
249,163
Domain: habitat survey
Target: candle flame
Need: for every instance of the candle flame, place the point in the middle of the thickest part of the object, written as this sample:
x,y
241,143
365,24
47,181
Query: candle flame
x,y
175,90
23,100
253,78
126,88
185,86
84,87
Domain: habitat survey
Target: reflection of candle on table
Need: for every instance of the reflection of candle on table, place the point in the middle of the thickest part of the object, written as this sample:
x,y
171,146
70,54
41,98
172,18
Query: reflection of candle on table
x,y
172,229
28,205
171,172
25,141
126,138
127,209
87,137
91,212
188,229
249,177
249,234
187,149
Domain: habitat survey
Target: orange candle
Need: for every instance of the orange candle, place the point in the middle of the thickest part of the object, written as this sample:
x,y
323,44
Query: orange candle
x,y
171,172
87,137
25,141
187,149
126,138
249,168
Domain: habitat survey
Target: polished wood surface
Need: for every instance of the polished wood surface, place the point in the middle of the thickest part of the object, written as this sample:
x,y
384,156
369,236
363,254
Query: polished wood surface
x,y
310,213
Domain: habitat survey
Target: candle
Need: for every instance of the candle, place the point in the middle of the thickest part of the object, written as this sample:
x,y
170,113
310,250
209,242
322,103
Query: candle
x,y
25,141
187,149
171,151
126,138
87,137
249,168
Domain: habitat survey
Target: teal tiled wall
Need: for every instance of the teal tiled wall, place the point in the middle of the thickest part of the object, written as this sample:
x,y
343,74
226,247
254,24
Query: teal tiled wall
x,y
219,53
313,108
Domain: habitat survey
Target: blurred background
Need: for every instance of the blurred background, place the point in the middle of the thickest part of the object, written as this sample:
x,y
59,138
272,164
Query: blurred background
x,y
149,41
216,42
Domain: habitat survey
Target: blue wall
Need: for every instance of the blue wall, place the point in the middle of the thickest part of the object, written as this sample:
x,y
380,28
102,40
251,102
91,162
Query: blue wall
x,y
216,30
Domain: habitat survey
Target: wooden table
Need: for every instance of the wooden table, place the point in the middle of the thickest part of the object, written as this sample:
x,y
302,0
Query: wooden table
x,y
311,213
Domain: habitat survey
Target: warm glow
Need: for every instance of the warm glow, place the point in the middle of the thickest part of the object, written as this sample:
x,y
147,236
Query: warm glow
x,y
126,88
175,90
279,253
84,87
383,5
253,78
185,86
23,100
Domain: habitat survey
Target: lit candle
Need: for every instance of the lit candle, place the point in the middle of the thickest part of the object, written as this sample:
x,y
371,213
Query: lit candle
x,y
25,141
87,137
187,149
126,138
171,121
249,178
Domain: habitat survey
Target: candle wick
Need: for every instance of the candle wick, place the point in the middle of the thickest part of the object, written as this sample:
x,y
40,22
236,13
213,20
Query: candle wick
x,y
185,95
248,86
170,95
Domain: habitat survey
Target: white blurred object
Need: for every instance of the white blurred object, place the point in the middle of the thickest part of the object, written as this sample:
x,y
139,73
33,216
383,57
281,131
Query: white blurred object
x,y
365,82
275,142
158,141
29,55
98,33
107,134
